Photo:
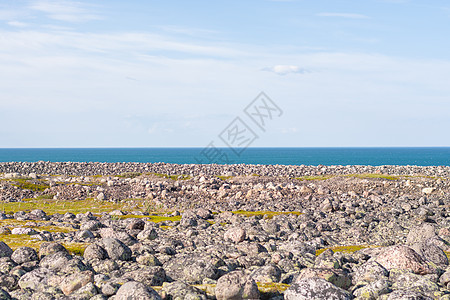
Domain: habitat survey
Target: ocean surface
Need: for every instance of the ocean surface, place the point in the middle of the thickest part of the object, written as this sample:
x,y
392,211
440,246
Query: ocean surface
x,y
284,156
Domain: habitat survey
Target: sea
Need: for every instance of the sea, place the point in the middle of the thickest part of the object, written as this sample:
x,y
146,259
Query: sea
x,y
431,156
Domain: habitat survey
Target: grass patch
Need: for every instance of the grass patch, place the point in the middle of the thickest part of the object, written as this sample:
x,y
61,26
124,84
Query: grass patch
x,y
224,178
45,197
76,248
25,184
173,177
129,175
15,241
74,206
375,176
318,177
268,214
158,219
272,287
345,249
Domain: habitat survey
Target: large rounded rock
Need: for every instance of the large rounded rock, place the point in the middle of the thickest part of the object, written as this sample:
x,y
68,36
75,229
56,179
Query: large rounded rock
x,y
236,285
315,289
404,258
431,252
420,233
47,248
76,281
23,255
133,290
36,279
115,248
56,261
235,234
151,276
181,290
335,276
191,268
110,233
266,274
94,251
370,271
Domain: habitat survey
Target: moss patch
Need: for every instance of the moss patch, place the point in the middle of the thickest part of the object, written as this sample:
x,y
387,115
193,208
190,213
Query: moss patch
x,y
375,176
28,184
311,178
224,178
346,249
51,206
15,241
267,214
272,288
173,177
129,175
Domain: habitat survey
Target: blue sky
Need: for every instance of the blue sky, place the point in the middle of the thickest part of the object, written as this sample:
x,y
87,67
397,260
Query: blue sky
x,y
176,73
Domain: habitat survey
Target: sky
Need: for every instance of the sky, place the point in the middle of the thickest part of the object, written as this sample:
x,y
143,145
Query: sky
x,y
171,73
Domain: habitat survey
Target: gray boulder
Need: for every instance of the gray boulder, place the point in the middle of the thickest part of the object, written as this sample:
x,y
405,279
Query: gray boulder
x,y
236,285
181,290
24,255
133,290
115,248
315,289
5,251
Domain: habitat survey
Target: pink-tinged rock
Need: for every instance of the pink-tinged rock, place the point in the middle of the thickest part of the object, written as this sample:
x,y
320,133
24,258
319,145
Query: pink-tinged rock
x,y
405,258
235,234
73,282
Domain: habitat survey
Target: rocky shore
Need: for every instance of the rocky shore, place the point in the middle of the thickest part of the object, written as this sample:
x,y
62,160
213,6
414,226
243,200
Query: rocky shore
x,y
152,231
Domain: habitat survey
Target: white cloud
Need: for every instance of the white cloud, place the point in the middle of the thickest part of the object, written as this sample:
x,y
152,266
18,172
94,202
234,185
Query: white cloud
x,y
286,69
17,24
343,15
69,11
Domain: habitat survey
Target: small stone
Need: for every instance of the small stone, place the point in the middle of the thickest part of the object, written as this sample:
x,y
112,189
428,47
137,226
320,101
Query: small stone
x,y
428,190
26,230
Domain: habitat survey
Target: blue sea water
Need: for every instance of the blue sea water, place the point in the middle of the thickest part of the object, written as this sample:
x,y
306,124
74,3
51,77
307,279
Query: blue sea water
x,y
437,156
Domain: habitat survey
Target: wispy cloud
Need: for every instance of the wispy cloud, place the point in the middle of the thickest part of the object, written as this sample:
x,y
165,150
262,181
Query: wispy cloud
x,y
17,24
342,15
285,69
187,31
68,11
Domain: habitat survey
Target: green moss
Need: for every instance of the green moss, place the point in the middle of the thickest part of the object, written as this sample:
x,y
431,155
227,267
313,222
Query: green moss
x,y
129,175
272,287
374,176
45,197
318,177
25,184
165,227
448,254
76,248
173,177
267,214
74,206
346,249
224,178
157,219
